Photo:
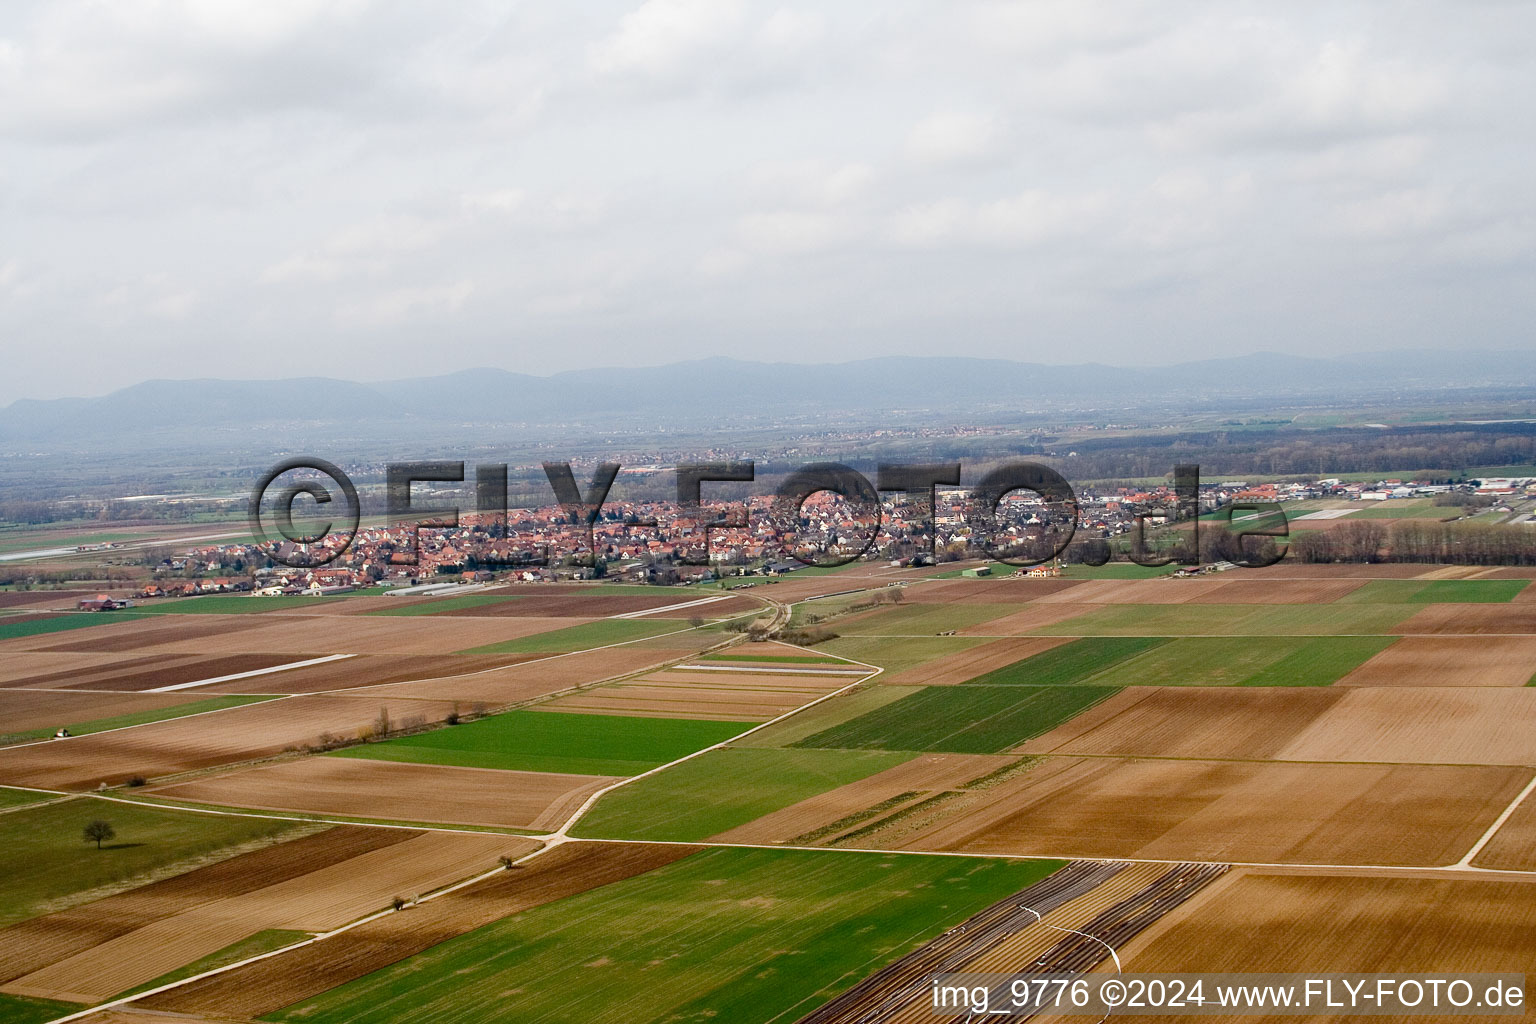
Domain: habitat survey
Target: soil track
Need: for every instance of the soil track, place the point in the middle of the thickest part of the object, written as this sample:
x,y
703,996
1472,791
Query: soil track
x,y
204,741
279,981
33,945
398,790
1449,661
972,662
314,901
1271,812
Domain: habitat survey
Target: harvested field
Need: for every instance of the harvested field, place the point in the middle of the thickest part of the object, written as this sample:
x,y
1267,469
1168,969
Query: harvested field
x,y
1471,619
1221,811
971,662
541,675
261,988
368,670
1513,846
1277,591
1450,661
141,673
1032,617
393,790
22,711
912,780
165,748
314,901
36,943
1159,590
1349,923
968,591
1423,726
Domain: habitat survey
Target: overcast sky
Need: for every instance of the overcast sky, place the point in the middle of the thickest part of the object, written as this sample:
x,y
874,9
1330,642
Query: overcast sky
x,y
370,190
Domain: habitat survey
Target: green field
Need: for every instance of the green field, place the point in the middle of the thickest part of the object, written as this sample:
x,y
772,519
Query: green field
x,y
21,797
1231,620
961,719
1436,592
1399,508
837,710
1115,571
21,1010
601,633
47,861
910,619
555,741
192,707
10,630
739,936
446,605
1195,661
725,788
898,653
1071,663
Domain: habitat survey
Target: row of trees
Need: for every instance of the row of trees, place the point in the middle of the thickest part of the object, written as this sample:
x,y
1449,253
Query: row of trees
x,y
1418,540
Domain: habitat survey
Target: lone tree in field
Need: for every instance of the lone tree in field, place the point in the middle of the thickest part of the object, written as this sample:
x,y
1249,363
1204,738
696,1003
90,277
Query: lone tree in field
x,y
99,831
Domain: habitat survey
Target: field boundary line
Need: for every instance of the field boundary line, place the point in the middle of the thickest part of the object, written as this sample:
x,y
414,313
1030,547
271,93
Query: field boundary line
x,y
1498,823
643,612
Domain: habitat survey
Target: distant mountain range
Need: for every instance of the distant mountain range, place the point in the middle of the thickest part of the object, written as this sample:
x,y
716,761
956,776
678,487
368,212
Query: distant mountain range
x,y
721,390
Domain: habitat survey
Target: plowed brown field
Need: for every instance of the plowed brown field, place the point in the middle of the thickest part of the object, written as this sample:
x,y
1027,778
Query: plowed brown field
x,y
1471,619
724,695
148,672
25,710
1449,661
1349,923
549,674
138,634
1513,846
314,635
1223,811
398,790
205,741
1246,591
1176,721
315,901
1423,726
972,662
369,670
966,591
33,945
1032,616
279,981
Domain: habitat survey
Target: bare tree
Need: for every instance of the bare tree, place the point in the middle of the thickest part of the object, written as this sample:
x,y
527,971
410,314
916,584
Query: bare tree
x,y
99,831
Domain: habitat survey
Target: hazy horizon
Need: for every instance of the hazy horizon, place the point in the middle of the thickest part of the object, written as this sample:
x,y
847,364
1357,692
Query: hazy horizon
x,y
367,191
